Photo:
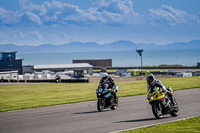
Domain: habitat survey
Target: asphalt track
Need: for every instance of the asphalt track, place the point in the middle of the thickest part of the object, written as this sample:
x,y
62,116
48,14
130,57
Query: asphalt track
x,y
84,118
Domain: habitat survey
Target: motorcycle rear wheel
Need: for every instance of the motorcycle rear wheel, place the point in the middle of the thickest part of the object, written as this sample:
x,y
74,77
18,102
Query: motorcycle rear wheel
x,y
157,110
100,105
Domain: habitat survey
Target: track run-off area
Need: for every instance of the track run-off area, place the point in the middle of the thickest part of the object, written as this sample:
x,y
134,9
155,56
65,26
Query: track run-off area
x,y
132,112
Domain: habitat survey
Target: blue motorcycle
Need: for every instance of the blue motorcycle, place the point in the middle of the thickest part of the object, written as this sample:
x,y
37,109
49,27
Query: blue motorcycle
x,y
106,98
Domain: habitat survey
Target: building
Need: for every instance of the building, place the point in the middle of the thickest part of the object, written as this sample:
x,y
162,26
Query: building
x,y
79,69
28,69
198,64
96,62
9,62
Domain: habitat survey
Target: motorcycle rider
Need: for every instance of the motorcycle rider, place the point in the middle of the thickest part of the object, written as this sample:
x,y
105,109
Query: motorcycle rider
x,y
152,83
58,78
108,80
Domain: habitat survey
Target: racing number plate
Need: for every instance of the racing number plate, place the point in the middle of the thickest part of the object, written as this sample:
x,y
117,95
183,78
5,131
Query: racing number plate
x,y
100,89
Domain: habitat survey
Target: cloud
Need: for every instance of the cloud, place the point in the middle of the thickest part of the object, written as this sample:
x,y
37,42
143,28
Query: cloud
x,y
102,12
112,12
18,36
57,12
169,15
50,18
33,18
125,6
28,34
39,9
119,11
9,17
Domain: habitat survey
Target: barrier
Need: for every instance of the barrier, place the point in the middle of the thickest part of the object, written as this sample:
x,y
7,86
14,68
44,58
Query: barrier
x,y
75,80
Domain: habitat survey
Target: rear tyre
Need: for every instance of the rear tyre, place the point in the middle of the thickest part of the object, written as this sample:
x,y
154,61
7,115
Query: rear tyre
x,y
115,104
100,105
157,110
174,113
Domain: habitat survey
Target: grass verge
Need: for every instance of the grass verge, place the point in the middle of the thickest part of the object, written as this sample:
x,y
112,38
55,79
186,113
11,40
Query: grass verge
x,y
14,97
191,125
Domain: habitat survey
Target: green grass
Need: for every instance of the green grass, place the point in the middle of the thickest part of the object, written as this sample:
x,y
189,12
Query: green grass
x,y
150,70
191,125
131,88
14,97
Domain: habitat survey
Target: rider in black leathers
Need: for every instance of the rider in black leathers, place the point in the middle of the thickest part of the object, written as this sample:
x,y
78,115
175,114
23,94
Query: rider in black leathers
x,y
58,78
108,80
152,83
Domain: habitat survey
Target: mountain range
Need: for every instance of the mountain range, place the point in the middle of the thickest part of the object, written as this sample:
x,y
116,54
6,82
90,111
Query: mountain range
x,y
122,45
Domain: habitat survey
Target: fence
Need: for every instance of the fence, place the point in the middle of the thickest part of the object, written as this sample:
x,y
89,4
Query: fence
x,y
81,80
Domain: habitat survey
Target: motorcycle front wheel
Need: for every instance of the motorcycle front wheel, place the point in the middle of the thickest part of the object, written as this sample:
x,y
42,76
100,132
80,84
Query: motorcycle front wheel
x,y
115,104
174,113
157,110
100,105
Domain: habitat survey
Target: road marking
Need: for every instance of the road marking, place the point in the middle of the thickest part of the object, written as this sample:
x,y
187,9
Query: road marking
x,y
153,124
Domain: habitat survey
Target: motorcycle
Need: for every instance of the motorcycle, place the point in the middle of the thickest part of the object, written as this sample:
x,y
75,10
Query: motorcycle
x,y
58,79
161,103
105,97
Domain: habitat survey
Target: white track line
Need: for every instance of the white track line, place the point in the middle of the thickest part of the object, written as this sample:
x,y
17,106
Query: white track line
x,y
153,124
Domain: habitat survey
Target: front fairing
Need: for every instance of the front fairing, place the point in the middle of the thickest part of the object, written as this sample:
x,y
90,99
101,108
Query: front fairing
x,y
102,92
155,95
117,88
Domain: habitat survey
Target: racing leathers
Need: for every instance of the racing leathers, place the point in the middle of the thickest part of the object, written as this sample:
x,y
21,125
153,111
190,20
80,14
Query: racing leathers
x,y
111,85
58,78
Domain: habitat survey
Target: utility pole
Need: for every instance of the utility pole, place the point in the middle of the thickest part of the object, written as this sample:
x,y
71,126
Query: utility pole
x,y
139,51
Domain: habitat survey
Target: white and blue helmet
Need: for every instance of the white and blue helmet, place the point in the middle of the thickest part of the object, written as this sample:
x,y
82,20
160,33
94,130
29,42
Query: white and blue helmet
x,y
104,75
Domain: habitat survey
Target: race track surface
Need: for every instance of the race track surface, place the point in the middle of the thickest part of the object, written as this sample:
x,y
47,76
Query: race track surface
x,y
84,118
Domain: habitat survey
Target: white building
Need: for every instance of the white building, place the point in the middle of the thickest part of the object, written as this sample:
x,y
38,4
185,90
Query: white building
x,y
76,69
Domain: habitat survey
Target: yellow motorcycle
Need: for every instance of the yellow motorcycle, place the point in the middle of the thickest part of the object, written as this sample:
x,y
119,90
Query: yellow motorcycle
x,y
161,103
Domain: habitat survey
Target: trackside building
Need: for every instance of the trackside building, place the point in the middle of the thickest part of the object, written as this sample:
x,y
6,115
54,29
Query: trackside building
x,y
96,62
9,62
79,69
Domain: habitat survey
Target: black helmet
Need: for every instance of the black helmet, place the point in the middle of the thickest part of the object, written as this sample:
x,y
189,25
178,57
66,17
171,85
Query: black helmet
x,y
150,79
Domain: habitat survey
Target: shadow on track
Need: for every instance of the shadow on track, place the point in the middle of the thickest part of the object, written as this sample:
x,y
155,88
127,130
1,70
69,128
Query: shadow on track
x,y
91,112
141,120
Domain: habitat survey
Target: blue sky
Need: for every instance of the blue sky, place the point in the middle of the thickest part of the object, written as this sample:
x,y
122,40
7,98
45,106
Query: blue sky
x,y
35,22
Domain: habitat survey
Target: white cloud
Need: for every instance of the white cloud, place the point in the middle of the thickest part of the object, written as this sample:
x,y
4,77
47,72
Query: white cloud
x,y
112,17
37,34
115,11
57,12
34,18
22,3
120,12
28,34
9,17
112,12
103,3
125,6
167,14
41,9
21,37
51,18
57,4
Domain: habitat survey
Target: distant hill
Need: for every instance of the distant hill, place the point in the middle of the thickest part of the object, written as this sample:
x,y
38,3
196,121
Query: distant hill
x,y
94,47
